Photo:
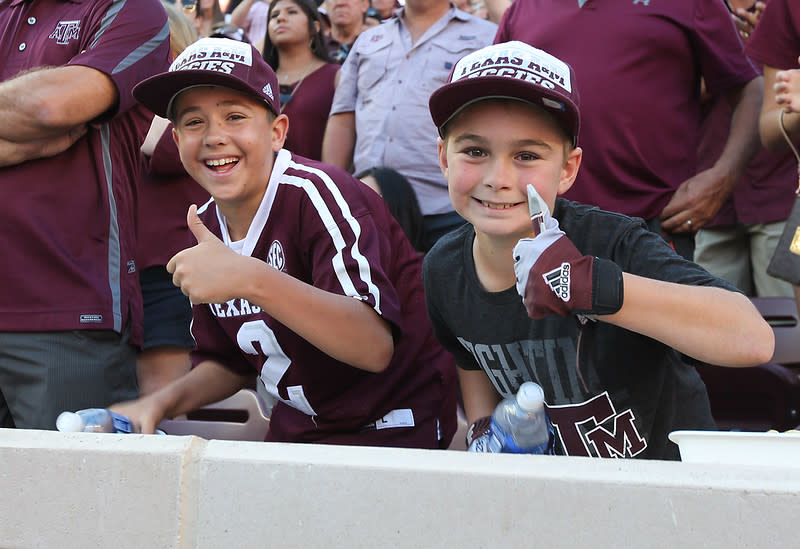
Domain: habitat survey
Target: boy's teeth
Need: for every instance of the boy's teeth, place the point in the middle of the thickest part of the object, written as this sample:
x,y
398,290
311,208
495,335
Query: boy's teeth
x,y
495,206
220,161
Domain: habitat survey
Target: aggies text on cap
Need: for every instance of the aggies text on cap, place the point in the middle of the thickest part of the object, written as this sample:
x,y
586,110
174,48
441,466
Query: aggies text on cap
x,y
211,62
512,70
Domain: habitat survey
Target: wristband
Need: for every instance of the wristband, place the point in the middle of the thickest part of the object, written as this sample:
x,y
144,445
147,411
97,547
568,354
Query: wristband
x,y
478,429
607,288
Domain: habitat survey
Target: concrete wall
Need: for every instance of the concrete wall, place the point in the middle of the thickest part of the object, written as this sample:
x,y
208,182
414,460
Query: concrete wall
x,y
95,491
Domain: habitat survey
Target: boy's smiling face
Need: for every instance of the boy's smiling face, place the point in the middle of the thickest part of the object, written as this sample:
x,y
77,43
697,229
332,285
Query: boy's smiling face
x,y
491,151
227,142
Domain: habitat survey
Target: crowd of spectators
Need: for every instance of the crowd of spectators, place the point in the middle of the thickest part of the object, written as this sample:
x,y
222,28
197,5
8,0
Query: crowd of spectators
x,y
675,100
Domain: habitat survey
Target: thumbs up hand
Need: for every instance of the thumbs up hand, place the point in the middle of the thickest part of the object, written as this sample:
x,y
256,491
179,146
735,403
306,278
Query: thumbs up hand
x,y
553,277
207,272
198,228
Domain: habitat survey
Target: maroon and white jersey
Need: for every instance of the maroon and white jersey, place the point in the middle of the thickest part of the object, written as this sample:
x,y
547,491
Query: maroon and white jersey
x,y
638,65
68,226
320,225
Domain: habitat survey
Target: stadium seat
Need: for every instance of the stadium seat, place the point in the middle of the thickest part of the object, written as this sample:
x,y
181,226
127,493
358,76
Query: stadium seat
x,y
760,398
766,396
781,313
243,416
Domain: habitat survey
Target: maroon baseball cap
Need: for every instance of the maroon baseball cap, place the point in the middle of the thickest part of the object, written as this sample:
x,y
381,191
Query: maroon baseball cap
x,y
510,70
211,62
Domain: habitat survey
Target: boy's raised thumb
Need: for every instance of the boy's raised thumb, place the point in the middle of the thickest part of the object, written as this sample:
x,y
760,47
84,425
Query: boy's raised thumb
x,y
199,230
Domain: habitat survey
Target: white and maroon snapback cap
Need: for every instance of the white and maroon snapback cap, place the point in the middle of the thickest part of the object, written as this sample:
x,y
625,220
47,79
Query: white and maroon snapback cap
x,y
510,70
211,62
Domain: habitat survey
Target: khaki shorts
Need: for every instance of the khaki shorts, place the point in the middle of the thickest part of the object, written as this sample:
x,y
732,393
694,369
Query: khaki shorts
x,y
740,255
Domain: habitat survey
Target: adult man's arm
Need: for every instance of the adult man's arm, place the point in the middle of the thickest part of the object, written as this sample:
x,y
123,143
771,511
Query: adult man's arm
x,y
339,142
45,110
12,153
700,197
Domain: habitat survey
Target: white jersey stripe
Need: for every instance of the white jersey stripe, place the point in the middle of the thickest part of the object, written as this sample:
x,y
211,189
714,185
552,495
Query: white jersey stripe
x,y
336,236
364,268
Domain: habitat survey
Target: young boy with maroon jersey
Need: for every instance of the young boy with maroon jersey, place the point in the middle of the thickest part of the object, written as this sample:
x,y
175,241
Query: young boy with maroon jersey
x,y
300,274
608,308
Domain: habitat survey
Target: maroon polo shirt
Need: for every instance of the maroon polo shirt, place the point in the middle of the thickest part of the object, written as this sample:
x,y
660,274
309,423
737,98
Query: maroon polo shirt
x,y
638,65
776,39
67,229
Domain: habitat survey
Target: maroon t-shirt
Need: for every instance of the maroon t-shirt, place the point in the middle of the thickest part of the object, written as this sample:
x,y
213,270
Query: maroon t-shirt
x,y
165,193
308,111
776,39
322,226
68,226
638,66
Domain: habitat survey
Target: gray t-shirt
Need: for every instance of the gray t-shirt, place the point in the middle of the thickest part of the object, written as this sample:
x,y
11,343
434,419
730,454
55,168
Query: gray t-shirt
x,y
610,392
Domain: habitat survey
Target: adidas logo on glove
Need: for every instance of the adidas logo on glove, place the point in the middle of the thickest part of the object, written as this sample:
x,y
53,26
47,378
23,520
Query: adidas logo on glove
x,y
558,280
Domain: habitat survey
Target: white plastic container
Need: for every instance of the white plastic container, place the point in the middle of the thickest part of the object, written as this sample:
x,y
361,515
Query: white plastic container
x,y
739,448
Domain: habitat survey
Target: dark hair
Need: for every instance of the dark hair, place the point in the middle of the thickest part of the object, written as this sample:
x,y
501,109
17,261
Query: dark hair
x,y
231,32
318,44
402,202
375,14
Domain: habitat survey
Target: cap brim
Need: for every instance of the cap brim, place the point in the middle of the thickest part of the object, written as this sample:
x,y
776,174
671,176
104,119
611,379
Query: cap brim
x,y
156,93
451,98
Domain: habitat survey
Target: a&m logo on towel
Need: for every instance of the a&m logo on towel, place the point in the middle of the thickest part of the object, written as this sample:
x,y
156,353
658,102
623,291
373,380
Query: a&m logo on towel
x,y
66,31
220,58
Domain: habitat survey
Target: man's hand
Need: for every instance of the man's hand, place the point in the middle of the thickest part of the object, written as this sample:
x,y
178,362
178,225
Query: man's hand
x,y
13,153
553,277
746,19
206,272
696,202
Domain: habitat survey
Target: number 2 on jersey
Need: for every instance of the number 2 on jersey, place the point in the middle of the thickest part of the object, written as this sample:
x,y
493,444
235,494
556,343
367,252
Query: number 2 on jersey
x,y
275,365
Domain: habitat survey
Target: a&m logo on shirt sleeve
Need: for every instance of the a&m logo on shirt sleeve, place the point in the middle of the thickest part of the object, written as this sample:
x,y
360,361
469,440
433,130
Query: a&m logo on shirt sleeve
x,y
66,31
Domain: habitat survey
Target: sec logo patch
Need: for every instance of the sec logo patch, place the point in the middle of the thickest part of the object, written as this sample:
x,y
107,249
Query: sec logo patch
x,y
275,257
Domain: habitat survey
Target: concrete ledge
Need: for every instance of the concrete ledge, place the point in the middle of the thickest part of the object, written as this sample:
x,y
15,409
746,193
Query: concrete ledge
x,y
317,496
96,491
118,491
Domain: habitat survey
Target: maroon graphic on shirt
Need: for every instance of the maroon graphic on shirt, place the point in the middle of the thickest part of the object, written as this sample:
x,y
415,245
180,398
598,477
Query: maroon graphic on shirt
x,y
595,428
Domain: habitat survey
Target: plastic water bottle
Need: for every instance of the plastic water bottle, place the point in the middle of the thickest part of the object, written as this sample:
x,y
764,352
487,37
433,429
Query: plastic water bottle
x,y
520,424
93,420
